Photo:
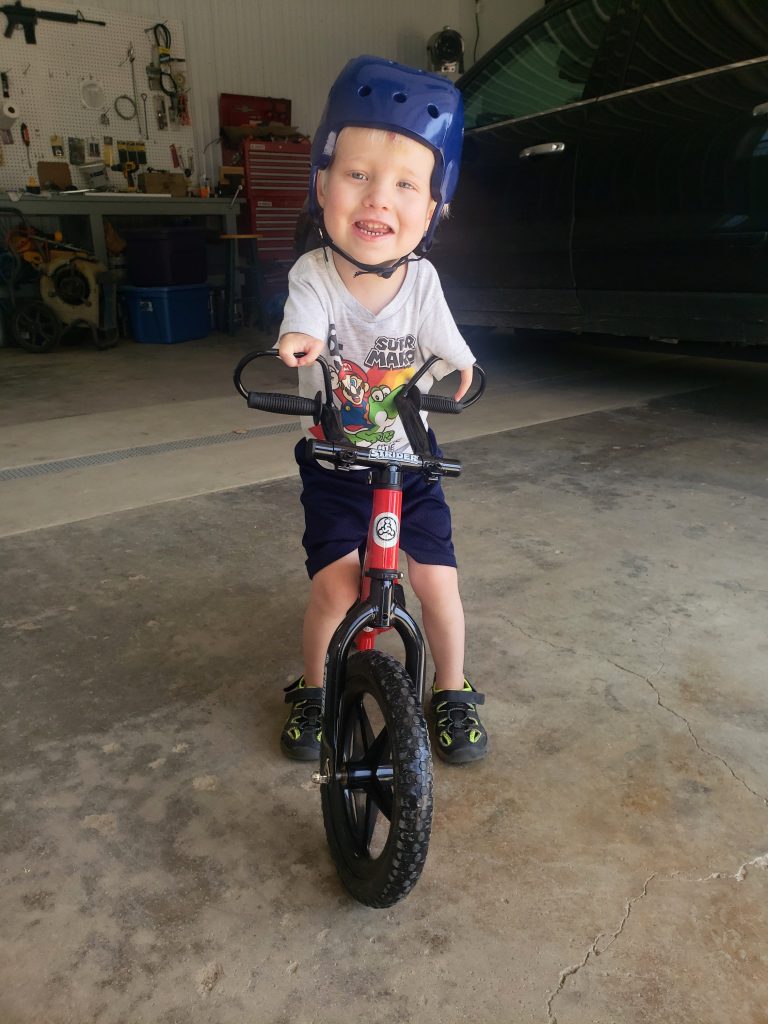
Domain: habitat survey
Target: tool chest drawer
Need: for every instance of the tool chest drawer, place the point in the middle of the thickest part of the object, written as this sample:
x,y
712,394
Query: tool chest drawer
x,y
276,184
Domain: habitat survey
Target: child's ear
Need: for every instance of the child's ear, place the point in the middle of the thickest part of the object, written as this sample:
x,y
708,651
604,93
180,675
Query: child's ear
x,y
430,211
320,189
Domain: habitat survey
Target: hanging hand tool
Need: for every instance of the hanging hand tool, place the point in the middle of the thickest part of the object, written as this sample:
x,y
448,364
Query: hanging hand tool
x,y
25,140
146,122
131,56
162,118
174,156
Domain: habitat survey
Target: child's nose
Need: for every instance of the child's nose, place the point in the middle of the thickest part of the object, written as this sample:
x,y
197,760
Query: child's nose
x,y
376,196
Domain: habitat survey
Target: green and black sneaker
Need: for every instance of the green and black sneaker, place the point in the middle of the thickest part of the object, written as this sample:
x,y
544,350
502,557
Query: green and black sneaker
x,y
459,734
300,738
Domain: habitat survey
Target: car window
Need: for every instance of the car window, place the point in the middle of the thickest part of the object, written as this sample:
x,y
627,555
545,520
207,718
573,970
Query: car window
x,y
679,37
546,67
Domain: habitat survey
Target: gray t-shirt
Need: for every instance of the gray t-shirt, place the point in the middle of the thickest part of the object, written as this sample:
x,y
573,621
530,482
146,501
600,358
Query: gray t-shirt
x,y
371,355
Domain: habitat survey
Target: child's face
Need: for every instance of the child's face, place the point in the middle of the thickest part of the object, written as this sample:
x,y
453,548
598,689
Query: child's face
x,y
375,195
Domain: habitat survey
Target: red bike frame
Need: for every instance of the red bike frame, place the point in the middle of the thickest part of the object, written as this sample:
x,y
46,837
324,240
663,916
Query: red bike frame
x,y
381,552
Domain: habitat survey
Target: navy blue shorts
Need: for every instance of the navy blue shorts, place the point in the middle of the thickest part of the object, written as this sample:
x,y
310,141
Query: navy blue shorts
x,y
337,512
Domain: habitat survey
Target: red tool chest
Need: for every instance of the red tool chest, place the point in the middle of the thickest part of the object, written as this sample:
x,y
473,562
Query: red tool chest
x,y
276,184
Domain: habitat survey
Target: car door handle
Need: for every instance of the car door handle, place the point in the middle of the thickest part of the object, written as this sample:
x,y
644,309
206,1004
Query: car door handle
x,y
545,149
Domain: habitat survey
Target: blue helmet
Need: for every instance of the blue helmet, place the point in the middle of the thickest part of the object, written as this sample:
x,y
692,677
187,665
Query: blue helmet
x,y
372,92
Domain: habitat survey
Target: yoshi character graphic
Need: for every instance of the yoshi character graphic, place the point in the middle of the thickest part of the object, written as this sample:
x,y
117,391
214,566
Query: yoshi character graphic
x,y
367,411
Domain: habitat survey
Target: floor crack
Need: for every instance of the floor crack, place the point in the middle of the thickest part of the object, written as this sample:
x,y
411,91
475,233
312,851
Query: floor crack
x,y
741,874
704,750
594,950
539,639
660,703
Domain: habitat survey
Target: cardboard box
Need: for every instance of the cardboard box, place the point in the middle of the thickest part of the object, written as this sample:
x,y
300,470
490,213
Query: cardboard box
x,y
231,176
163,183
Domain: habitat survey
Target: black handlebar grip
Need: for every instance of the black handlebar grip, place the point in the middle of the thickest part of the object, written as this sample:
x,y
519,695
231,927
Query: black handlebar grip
x,y
286,405
440,403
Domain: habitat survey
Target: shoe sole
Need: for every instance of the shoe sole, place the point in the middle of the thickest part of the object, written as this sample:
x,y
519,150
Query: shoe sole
x,y
467,756
300,753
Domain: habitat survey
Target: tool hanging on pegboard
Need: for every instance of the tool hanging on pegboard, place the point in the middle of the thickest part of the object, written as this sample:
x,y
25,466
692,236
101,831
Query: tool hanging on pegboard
x,y
131,59
163,75
160,113
25,139
66,105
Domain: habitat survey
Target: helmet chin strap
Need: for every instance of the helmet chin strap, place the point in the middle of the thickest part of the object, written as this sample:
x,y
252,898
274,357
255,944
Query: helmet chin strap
x,y
385,270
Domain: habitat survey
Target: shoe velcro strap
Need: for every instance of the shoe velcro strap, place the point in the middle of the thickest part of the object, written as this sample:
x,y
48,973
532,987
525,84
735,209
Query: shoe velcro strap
x,y
303,693
457,697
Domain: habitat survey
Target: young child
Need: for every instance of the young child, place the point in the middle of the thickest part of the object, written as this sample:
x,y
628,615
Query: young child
x,y
385,162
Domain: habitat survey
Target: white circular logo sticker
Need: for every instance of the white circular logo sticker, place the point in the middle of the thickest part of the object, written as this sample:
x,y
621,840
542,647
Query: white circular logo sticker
x,y
386,529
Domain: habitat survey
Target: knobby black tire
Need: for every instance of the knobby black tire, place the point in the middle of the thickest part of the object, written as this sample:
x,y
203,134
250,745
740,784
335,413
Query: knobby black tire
x,y
386,877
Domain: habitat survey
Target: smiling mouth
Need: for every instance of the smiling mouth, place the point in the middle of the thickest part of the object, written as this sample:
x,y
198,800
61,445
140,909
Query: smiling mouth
x,y
373,228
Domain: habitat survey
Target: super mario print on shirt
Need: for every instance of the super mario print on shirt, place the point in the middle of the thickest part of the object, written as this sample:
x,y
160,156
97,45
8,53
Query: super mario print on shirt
x,y
371,356
366,394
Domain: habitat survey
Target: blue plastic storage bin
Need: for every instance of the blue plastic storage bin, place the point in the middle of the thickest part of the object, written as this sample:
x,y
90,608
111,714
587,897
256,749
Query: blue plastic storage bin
x,y
164,316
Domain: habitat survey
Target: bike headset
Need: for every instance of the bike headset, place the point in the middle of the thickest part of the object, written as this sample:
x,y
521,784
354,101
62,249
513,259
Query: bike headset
x,y
372,92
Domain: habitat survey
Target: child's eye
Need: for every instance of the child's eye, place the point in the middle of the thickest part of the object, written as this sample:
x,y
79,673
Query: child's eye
x,y
406,184
357,175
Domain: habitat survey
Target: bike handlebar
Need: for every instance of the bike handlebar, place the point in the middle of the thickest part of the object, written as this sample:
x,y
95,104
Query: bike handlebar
x,y
351,455
296,405
336,449
286,405
440,403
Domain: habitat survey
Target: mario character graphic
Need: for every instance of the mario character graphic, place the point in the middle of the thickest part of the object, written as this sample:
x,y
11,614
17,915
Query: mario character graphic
x,y
367,405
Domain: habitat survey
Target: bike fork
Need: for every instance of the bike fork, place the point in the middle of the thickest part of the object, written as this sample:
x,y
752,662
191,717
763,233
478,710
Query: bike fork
x,y
377,609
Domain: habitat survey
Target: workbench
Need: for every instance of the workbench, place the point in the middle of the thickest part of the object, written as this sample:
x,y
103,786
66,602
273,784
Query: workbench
x,y
96,205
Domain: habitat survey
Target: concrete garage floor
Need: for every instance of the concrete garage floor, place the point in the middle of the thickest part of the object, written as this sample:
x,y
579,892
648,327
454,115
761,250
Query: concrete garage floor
x,y
608,861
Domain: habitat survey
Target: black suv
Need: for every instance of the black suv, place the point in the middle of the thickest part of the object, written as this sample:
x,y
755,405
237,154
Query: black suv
x,y
615,173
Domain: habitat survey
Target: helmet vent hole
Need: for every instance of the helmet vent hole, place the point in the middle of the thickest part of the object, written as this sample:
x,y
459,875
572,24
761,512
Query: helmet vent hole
x,y
364,90
399,97
432,110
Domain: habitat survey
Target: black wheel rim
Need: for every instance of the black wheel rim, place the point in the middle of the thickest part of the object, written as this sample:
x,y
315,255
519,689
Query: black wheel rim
x,y
367,774
37,325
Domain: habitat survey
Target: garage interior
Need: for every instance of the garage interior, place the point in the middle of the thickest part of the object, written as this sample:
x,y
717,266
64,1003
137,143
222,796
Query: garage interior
x,y
163,863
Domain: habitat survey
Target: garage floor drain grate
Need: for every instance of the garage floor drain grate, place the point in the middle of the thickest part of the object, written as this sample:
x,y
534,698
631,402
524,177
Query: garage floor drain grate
x,y
104,458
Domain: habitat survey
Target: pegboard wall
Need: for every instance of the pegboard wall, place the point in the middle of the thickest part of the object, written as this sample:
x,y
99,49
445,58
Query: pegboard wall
x,y
64,88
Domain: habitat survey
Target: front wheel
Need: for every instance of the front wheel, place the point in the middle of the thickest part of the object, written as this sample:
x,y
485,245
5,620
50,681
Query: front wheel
x,y
378,809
